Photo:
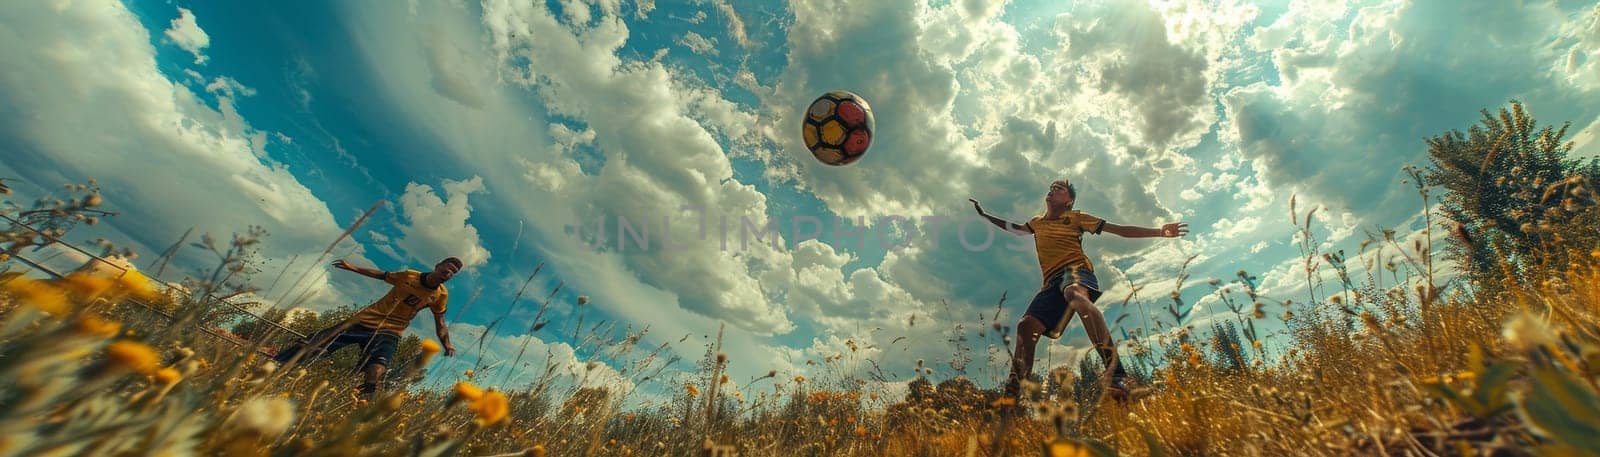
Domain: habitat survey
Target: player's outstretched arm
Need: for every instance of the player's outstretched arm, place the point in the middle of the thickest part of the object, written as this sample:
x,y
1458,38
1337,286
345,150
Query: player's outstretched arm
x,y
373,273
1002,223
443,330
1173,230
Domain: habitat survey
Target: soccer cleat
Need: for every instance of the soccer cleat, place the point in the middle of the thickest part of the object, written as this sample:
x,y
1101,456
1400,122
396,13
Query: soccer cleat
x,y
1118,383
366,391
1120,390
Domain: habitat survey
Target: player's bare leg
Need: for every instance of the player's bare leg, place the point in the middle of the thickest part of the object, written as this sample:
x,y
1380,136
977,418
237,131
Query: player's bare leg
x,y
1028,331
1094,324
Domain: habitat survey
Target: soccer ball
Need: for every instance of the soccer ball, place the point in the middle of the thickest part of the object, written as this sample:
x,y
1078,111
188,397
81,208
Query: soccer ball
x,y
838,128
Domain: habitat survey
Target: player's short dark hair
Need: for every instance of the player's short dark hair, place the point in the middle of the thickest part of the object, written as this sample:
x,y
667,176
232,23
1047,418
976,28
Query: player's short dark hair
x,y
1072,190
452,261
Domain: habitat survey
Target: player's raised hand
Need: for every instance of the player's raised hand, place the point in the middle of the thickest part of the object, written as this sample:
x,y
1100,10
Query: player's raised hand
x,y
343,265
976,206
1174,230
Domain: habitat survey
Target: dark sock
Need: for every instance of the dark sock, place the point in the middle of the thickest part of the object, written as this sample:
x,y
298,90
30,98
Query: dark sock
x,y
283,356
1118,374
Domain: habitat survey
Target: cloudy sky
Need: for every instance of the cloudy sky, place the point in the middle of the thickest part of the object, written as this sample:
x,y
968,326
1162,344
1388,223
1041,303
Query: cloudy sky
x,y
509,133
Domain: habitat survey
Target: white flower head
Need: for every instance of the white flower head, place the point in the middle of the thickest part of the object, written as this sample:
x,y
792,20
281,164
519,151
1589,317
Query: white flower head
x,y
1526,332
267,417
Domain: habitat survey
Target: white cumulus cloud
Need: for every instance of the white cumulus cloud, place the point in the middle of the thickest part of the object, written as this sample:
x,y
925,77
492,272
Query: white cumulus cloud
x,y
164,159
435,227
187,34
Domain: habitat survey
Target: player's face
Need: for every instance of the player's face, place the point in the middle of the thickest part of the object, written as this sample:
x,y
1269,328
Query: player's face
x,y
1058,194
444,271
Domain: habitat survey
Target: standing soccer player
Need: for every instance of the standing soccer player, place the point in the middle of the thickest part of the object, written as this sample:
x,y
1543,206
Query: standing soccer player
x,y
376,328
1070,286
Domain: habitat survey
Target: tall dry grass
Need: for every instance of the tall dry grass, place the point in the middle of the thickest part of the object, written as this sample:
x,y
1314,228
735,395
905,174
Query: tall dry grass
x,y
1379,360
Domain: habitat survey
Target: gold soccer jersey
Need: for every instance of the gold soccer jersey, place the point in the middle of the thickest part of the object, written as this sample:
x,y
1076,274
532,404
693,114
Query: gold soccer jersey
x,y
1059,241
393,312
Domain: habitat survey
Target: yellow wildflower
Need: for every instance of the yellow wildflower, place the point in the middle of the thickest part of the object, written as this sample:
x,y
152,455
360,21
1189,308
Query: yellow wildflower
x,y
168,376
536,451
429,348
92,325
492,408
693,391
39,295
799,379
87,285
138,284
1061,448
469,373
133,356
467,391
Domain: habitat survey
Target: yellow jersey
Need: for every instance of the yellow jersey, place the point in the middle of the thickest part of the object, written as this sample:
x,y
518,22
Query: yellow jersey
x,y
1059,241
393,312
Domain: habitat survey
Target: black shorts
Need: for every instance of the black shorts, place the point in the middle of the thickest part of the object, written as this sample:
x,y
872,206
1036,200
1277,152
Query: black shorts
x,y
1050,304
377,348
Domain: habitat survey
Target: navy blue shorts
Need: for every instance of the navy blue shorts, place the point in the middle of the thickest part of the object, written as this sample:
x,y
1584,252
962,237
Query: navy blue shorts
x,y
1050,304
377,348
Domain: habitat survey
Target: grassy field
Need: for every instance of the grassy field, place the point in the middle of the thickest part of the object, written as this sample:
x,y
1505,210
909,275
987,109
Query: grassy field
x,y
1397,371
1381,359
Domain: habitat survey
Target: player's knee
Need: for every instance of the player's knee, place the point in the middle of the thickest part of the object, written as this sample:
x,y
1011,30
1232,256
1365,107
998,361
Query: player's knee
x,y
1030,326
1084,308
